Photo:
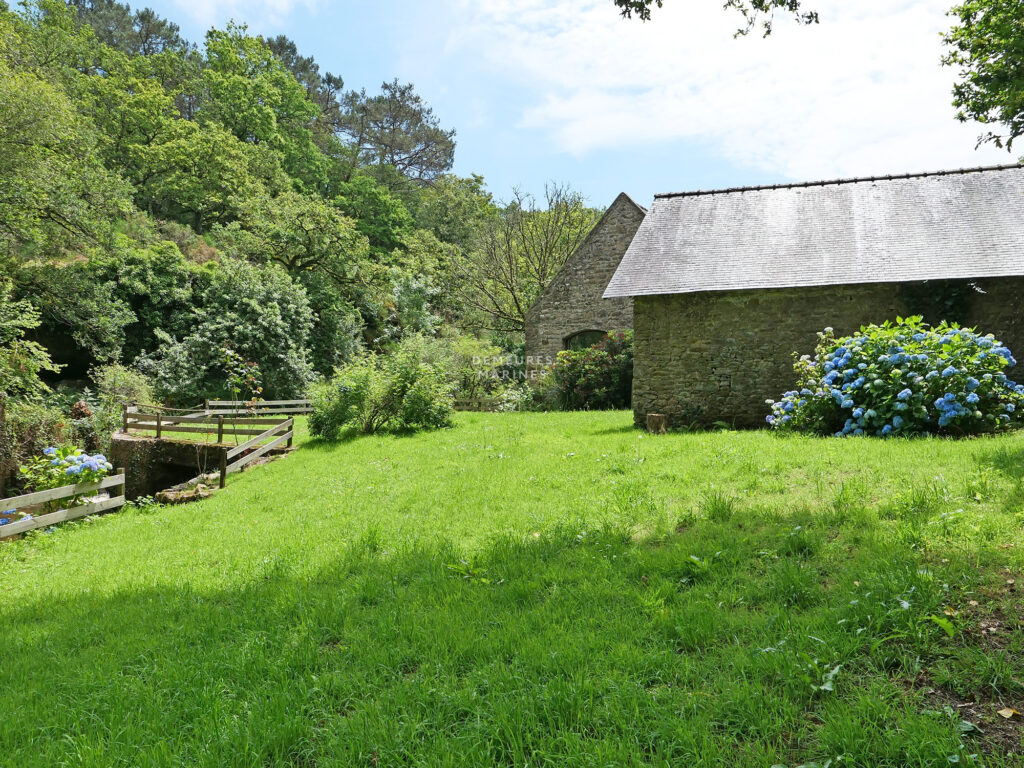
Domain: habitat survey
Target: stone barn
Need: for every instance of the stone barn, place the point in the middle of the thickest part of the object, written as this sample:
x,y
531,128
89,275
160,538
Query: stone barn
x,y
571,311
727,285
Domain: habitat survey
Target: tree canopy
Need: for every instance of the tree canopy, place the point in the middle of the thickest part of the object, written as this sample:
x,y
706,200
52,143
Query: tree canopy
x,y
987,45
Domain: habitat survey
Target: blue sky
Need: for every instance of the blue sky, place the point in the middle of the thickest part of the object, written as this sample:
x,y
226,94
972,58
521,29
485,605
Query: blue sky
x,y
565,90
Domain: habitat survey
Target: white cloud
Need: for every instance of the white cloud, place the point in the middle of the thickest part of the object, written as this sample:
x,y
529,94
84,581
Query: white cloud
x,y
861,93
258,14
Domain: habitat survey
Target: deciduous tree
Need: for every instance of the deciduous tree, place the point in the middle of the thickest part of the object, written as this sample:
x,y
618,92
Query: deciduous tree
x,y
987,44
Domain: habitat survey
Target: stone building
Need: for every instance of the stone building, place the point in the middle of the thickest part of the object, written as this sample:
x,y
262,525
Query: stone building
x,y
571,311
728,284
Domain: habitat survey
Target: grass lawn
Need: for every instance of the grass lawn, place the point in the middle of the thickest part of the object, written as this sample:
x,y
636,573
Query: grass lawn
x,y
536,590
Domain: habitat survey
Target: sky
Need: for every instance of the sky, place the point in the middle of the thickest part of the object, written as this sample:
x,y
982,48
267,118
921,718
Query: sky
x,y
568,91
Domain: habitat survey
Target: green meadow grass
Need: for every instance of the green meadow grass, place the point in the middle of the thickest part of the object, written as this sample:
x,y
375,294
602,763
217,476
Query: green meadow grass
x,y
536,590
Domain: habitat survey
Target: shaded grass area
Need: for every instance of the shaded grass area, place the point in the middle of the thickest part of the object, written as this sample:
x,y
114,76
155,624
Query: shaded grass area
x,y
536,590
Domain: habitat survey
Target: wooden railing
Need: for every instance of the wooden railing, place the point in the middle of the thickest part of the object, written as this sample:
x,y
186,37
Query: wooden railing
x,y
476,403
56,494
149,419
283,430
234,407
159,422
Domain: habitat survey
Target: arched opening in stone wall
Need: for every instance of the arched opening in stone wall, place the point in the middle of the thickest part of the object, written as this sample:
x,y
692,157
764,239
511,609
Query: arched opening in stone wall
x,y
583,339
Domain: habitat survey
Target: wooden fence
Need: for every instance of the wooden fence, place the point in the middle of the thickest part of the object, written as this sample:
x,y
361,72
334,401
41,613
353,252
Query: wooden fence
x,y
56,494
158,422
476,404
235,407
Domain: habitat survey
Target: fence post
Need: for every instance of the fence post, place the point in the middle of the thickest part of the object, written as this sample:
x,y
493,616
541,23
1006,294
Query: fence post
x,y
220,428
159,425
124,483
291,428
223,467
206,406
124,418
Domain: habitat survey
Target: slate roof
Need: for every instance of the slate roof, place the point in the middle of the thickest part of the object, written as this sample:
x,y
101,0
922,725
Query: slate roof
x,y
949,224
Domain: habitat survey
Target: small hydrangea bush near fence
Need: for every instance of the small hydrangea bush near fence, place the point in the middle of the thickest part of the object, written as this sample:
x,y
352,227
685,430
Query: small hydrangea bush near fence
x,y
902,378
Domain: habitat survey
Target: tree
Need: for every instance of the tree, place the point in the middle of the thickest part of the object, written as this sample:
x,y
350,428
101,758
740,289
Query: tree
x,y
252,94
136,33
395,131
754,12
323,90
378,214
456,209
256,310
21,361
52,185
988,46
303,233
521,252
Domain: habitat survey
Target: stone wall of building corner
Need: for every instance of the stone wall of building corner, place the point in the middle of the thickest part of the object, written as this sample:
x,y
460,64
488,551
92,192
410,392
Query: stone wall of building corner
x,y
716,357
998,308
573,301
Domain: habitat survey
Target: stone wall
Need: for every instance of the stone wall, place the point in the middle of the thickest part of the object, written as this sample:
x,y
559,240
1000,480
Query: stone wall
x,y
153,465
708,357
572,302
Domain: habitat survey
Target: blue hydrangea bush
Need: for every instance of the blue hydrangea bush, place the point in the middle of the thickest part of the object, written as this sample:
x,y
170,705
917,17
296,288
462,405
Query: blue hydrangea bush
x,y
902,378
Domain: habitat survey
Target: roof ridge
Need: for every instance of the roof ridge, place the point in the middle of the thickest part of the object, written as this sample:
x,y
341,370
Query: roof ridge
x,y
852,180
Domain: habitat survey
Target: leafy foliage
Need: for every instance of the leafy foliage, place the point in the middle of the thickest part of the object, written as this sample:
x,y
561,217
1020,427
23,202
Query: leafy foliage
x,y
755,12
599,377
986,45
259,313
116,387
21,360
399,391
902,378
65,465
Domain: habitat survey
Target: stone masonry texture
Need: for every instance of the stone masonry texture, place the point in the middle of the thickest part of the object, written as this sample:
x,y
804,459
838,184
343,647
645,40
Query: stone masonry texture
x,y
572,301
709,357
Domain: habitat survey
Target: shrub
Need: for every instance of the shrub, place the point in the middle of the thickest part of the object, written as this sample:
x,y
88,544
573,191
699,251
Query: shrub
x,y
595,378
902,378
116,387
257,311
68,465
27,429
382,392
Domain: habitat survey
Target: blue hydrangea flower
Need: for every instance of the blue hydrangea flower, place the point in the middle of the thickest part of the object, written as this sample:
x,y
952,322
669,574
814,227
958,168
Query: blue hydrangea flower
x,y
973,383
904,394
973,397
949,371
49,451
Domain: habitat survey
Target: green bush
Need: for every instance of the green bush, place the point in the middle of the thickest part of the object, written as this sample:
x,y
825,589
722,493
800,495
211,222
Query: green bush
x,y
902,378
595,378
116,387
373,393
257,311
27,430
